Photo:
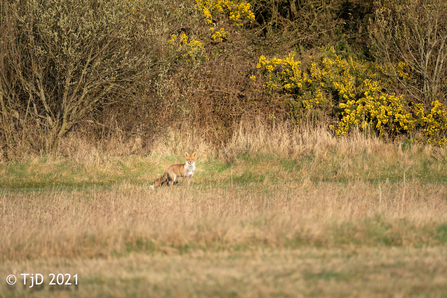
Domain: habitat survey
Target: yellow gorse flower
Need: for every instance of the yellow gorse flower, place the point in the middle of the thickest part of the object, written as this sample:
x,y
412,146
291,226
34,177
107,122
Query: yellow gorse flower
x,y
237,11
357,87
189,49
220,35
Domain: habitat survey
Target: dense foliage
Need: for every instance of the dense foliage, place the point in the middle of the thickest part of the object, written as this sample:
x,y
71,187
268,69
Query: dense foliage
x,y
135,67
354,90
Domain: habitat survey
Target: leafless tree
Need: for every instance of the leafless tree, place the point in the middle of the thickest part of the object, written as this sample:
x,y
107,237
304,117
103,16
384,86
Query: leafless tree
x,y
59,60
415,32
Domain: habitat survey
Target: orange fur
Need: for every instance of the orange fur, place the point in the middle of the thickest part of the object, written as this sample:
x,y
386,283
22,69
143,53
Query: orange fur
x,y
173,172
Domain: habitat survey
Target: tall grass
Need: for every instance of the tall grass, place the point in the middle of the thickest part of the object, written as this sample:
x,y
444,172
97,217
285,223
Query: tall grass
x,y
273,186
256,153
107,223
288,201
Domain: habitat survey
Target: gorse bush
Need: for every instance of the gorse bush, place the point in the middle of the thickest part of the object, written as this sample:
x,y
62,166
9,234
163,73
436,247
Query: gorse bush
x,y
217,12
189,49
219,35
353,91
238,12
434,123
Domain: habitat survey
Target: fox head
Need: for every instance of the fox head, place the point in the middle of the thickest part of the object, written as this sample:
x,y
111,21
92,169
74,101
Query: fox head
x,y
190,158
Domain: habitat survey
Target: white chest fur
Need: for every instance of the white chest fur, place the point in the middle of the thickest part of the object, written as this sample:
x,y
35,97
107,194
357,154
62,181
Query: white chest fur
x,y
190,167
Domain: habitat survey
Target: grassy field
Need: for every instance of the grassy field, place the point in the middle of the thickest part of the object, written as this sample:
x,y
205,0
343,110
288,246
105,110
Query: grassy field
x,y
270,215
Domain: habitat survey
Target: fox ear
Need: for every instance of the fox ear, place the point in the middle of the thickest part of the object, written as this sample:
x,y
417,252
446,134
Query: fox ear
x,y
186,154
194,154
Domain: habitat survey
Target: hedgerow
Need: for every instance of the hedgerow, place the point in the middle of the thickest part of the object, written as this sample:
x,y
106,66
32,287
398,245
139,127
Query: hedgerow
x,y
132,67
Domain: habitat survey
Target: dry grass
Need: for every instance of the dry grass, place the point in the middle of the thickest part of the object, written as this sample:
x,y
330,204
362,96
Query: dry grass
x,y
244,241
314,216
105,223
294,142
307,272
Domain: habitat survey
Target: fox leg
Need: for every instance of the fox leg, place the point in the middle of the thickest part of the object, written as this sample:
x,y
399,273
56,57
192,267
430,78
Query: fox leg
x,y
189,182
172,180
188,179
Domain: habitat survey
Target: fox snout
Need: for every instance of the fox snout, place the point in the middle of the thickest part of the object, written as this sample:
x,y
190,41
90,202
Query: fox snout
x,y
190,158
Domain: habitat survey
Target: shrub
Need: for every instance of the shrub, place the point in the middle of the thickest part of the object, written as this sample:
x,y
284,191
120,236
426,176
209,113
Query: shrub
x,y
61,60
238,12
188,49
214,11
353,92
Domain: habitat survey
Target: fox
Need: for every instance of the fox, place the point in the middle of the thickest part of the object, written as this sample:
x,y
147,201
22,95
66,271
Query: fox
x,y
173,172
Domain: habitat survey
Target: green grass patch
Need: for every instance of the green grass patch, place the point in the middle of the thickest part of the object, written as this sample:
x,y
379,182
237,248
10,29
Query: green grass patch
x,y
247,169
441,233
329,275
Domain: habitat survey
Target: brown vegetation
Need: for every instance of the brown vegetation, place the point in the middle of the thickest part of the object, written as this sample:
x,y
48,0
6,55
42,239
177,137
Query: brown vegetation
x,y
115,74
290,209
98,223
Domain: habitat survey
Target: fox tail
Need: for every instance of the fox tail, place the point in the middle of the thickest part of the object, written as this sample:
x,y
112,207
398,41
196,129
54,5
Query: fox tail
x,y
158,182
